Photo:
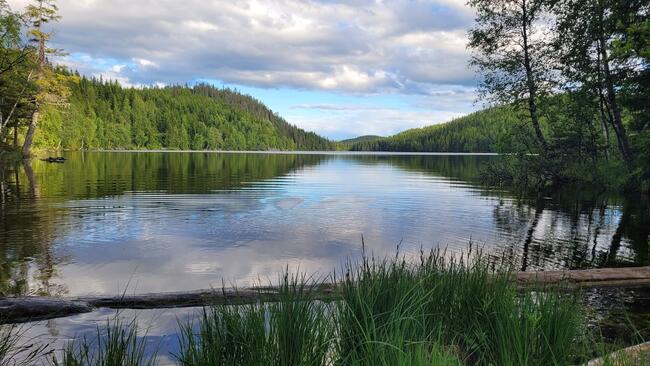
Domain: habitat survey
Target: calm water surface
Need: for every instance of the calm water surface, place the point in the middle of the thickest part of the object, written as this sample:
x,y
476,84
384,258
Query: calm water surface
x,y
145,222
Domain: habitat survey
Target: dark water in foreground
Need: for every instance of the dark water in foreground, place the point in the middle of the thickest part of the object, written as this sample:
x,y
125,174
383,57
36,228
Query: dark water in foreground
x,y
105,222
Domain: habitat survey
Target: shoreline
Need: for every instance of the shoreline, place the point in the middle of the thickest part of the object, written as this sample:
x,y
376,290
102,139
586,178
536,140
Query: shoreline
x,y
285,152
33,308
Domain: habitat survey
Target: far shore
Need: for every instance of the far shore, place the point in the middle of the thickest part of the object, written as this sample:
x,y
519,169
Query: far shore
x,y
284,152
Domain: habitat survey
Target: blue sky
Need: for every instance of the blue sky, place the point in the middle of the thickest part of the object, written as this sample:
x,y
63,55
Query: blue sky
x,y
338,68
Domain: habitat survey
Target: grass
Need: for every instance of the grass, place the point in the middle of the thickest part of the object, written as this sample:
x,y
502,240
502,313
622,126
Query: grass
x,y
295,330
15,350
390,312
115,344
454,308
436,312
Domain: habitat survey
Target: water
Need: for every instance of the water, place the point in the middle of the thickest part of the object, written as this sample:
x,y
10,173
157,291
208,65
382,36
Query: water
x,y
104,223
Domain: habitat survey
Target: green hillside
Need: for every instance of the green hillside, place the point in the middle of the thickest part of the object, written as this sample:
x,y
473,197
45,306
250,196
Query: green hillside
x,y
477,132
105,115
364,138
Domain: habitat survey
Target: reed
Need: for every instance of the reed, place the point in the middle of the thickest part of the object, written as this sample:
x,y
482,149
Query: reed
x,y
461,307
114,344
392,312
16,349
294,330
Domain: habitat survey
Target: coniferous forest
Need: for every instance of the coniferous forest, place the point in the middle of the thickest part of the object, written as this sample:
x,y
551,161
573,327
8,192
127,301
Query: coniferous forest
x,y
479,132
102,114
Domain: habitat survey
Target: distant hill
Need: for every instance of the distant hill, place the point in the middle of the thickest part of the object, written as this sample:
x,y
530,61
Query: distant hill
x,y
476,132
105,115
364,138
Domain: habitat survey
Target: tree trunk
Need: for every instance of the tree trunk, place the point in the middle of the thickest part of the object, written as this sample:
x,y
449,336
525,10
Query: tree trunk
x,y
605,115
34,189
604,118
2,125
27,145
16,135
617,123
530,81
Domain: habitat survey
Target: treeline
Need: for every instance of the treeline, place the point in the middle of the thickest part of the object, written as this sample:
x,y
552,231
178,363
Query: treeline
x,y
102,114
577,72
478,132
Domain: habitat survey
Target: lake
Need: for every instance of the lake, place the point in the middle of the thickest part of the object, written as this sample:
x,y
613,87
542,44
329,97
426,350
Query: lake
x,y
109,222
114,222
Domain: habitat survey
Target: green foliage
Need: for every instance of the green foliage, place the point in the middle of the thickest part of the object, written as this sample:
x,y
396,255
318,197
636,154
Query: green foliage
x,y
349,143
117,344
103,115
437,312
295,330
16,65
16,351
477,132
457,309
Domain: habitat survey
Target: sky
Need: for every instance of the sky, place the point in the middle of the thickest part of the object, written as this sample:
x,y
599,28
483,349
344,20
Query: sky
x,y
338,68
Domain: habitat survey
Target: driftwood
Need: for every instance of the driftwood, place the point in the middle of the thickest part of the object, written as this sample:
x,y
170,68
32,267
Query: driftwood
x,y
21,309
635,355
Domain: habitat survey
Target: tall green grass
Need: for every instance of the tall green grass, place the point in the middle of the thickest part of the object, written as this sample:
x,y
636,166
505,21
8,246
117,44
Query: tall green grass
x,y
295,330
15,350
383,318
115,344
462,308
392,312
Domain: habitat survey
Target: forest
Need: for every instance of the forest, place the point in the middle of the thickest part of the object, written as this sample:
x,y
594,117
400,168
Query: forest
x,y
479,132
102,114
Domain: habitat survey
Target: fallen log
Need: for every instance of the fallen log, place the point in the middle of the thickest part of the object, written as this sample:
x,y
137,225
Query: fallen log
x,y
635,355
21,309
199,297
24,309
589,278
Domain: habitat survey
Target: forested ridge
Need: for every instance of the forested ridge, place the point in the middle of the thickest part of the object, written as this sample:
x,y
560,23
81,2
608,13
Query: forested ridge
x,y
477,132
103,114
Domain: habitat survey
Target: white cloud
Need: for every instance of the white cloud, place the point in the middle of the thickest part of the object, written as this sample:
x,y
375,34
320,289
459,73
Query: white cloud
x,y
117,68
407,48
351,46
145,63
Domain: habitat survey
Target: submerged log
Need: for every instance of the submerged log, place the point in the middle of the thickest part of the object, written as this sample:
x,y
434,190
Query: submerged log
x,y
21,309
